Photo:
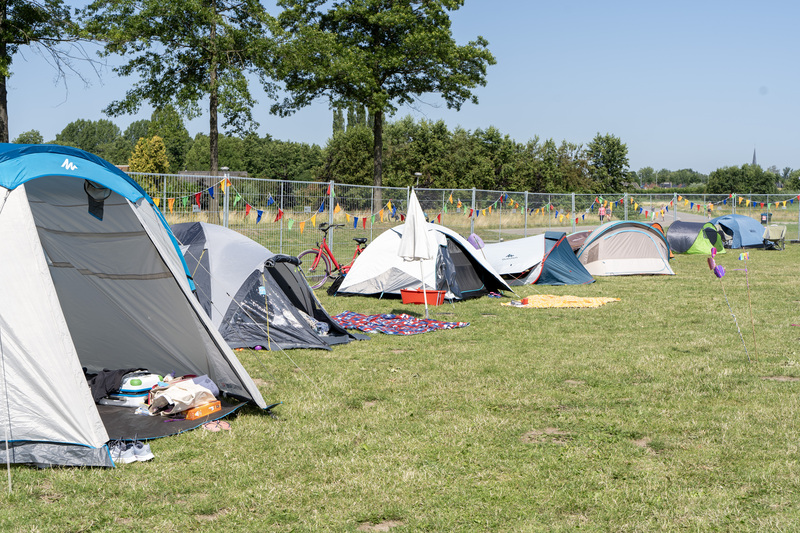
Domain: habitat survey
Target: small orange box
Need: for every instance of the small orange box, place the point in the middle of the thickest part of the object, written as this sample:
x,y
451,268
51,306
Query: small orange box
x,y
203,410
416,296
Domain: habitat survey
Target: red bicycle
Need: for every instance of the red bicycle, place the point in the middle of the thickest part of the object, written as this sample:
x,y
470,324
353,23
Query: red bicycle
x,y
316,263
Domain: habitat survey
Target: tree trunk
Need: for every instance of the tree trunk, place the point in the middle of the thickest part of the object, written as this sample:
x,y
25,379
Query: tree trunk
x,y
377,158
213,95
3,89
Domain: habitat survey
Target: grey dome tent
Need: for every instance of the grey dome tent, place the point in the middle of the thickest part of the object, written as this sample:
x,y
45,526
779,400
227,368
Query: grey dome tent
x,y
625,248
457,268
545,259
694,238
91,279
254,297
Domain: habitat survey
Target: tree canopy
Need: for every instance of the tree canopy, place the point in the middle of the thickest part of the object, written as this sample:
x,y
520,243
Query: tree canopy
x,y
183,51
375,54
45,26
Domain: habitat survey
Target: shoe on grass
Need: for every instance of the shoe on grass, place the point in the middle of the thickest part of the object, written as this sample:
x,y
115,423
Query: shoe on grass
x,y
142,452
122,452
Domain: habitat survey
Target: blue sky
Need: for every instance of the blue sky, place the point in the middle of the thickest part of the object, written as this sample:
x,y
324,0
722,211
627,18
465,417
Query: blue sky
x,y
697,84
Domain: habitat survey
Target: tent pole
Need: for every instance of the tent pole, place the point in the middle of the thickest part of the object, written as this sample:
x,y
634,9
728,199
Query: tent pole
x,y
7,426
424,294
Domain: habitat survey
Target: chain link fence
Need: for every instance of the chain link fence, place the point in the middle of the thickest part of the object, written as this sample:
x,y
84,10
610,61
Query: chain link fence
x,y
285,216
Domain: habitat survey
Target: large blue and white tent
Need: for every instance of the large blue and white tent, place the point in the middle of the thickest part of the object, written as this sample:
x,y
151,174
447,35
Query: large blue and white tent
x,y
90,279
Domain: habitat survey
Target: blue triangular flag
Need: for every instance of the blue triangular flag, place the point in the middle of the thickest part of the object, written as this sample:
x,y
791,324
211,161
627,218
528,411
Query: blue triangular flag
x,y
355,222
258,218
211,191
270,201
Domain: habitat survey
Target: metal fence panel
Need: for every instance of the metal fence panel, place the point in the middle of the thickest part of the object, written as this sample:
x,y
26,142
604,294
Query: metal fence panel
x,y
284,216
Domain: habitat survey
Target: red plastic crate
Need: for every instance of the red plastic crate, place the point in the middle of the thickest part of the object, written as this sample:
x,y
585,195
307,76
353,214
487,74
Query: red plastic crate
x,y
416,296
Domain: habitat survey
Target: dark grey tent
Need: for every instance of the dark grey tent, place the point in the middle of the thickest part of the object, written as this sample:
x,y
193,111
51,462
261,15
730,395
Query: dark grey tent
x,y
694,238
254,297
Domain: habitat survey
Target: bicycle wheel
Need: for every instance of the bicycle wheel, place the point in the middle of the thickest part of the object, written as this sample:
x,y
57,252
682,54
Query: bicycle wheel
x,y
318,276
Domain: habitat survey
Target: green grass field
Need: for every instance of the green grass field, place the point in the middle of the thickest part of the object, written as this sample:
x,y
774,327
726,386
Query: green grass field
x,y
640,415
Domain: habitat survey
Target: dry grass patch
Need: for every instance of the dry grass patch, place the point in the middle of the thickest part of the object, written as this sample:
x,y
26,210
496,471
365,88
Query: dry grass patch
x,y
780,378
547,435
386,525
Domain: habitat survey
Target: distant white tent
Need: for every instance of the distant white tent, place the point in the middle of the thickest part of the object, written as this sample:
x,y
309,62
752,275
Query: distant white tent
x,y
456,267
90,277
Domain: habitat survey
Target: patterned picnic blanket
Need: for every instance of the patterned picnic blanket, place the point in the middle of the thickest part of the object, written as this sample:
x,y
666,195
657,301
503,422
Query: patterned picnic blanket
x,y
393,324
543,301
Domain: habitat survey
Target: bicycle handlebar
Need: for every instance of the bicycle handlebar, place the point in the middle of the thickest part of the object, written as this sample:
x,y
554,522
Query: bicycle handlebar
x,y
324,226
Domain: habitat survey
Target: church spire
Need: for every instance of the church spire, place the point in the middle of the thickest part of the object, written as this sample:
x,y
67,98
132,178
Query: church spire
x,y
754,157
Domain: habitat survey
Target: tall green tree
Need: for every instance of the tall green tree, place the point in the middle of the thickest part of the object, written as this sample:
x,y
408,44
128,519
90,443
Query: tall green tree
x,y
184,51
378,54
608,160
167,124
44,26
149,156
29,137
135,131
100,137
338,120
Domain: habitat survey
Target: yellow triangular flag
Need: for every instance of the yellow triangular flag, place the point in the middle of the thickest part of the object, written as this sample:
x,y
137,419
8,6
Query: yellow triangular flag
x,y
302,226
680,198
314,220
222,185
347,216
380,214
336,209
451,198
490,210
156,201
389,205
636,206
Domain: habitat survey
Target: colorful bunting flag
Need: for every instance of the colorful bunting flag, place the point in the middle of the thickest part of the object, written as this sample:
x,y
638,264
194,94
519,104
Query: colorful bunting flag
x,y
157,201
237,199
197,199
289,223
211,191
322,206
247,209
171,203
336,209
302,226
258,218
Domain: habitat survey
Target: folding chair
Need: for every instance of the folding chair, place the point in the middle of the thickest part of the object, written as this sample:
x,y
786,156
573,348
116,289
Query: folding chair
x,y
774,237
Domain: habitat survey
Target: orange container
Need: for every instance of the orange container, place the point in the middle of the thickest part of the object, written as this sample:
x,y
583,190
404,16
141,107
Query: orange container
x,y
417,296
203,410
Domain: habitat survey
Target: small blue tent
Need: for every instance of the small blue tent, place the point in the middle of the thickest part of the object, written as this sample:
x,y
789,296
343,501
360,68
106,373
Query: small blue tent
x,y
743,231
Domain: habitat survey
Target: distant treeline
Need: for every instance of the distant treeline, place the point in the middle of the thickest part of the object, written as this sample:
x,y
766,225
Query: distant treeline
x,y
414,152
